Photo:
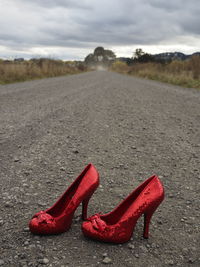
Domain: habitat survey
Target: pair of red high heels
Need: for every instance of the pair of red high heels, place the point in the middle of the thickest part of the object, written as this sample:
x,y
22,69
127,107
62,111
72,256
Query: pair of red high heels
x,y
116,226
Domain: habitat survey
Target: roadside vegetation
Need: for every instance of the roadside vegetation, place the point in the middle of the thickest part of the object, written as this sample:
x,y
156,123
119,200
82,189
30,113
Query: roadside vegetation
x,y
175,68
22,70
179,72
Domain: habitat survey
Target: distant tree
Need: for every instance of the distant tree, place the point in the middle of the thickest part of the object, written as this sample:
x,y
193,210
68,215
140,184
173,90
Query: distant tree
x,y
141,56
129,61
109,54
138,53
99,51
146,58
100,57
89,59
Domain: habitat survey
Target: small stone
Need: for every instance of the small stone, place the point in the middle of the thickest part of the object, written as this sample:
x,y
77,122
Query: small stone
x,y
105,254
8,205
136,255
62,168
22,255
16,159
153,245
131,246
26,243
41,204
32,246
191,260
75,151
43,261
77,219
1,222
144,249
1,262
107,260
169,262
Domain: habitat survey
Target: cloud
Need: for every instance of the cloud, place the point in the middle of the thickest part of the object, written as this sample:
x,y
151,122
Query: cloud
x,y
60,25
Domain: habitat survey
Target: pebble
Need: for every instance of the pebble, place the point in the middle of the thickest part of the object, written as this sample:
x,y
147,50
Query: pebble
x,y
136,255
144,249
1,262
32,246
1,222
16,159
8,205
131,246
159,221
169,262
43,261
62,168
77,219
191,260
41,203
107,260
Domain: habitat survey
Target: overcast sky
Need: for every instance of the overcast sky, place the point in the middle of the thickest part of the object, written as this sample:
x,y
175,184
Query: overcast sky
x,y
71,29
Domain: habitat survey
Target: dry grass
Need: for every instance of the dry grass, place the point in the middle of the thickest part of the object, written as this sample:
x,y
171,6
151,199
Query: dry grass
x,y
11,71
184,73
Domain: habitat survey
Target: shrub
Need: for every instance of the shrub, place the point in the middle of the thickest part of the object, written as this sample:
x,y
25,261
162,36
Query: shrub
x,y
12,71
185,73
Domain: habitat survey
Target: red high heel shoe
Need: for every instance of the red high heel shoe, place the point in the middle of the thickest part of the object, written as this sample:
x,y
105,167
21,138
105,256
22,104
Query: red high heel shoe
x,y
58,218
117,226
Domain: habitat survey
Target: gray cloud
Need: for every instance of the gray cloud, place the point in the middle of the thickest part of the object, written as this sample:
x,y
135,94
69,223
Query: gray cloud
x,y
88,23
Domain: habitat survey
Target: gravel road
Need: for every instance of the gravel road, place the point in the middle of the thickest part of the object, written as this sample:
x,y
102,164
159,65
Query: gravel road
x,y
130,129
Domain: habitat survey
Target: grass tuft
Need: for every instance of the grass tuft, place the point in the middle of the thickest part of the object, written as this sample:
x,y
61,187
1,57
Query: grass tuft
x,y
12,71
183,73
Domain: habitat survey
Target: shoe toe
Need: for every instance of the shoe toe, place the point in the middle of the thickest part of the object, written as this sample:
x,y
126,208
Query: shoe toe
x,y
42,223
87,228
34,226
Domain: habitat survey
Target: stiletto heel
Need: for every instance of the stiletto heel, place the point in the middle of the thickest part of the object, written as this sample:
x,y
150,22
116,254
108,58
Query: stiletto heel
x,y
147,219
85,207
58,218
117,226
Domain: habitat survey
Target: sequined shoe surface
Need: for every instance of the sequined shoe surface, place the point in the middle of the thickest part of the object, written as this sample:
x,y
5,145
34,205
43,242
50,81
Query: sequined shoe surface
x,y
118,225
58,218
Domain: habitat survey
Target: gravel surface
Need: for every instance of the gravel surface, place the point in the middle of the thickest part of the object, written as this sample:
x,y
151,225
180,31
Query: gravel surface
x,y
129,128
